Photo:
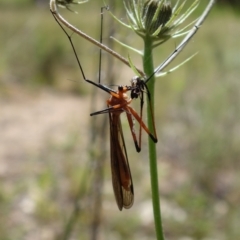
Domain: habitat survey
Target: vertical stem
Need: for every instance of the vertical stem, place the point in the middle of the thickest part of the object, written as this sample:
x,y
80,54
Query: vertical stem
x,y
149,69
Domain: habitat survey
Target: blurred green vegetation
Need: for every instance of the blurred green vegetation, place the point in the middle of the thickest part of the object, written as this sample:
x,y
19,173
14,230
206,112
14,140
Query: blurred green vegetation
x,y
197,118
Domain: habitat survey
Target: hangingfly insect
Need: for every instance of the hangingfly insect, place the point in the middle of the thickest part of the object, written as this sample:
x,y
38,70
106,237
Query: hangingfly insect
x,y
118,103
121,174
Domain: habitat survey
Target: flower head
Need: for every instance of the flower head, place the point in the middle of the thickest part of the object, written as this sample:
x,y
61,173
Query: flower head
x,y
155,15
156,18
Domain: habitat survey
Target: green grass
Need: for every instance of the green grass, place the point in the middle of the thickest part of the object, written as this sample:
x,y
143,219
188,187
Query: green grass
x,y
197,119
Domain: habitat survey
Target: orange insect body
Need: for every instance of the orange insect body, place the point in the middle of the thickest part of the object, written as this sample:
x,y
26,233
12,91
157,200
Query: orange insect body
x,y
119,99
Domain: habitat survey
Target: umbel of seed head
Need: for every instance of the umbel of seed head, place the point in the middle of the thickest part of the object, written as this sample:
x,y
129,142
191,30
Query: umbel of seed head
x,y
155,15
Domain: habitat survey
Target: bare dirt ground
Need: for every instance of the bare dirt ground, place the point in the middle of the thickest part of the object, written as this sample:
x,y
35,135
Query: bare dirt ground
x,y
27,121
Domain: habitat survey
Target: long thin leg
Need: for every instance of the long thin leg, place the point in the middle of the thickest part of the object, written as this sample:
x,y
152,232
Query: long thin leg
x,y
136,116
70,40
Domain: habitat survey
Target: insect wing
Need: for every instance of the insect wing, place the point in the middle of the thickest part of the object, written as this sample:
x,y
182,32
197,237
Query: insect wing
x,y
121,175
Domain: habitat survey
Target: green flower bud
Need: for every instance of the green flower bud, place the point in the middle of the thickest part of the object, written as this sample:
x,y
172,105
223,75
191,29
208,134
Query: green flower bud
x,y
156,14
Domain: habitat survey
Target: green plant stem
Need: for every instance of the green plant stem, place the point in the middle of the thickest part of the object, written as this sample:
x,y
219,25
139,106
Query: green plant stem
x,y
149,69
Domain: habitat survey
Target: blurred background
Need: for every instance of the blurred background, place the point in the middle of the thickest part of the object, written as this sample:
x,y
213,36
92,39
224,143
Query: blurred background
x,y
55,177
